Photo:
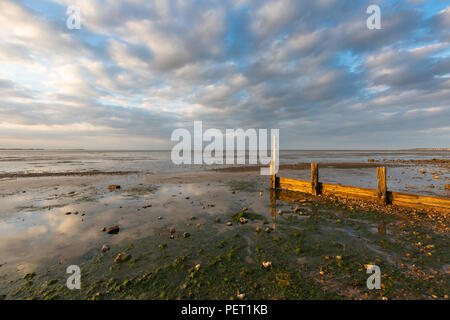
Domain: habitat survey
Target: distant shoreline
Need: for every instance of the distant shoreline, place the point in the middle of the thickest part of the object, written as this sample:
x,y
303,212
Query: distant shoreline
x,y
168,150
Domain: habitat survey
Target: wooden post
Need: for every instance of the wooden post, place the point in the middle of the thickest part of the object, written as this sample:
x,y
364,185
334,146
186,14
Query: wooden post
x,y
273,176
315,178
382,188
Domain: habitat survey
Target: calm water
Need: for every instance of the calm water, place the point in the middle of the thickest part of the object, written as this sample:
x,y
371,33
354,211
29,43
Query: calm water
x,y
35,230
36,161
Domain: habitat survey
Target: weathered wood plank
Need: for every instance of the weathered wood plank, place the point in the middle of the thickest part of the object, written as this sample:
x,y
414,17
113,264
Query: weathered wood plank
x,y
294,185
418,201
349,192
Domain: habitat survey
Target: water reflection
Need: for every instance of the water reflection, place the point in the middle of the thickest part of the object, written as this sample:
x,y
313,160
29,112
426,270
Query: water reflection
x,y
382,227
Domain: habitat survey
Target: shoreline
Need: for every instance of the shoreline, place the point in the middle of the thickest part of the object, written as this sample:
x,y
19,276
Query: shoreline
x,y
56,221
328,238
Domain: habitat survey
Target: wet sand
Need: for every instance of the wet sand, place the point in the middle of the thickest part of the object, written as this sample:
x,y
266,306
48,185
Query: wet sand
x,y
317,252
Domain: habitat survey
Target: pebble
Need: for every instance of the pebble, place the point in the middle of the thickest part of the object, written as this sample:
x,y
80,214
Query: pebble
x,y
240,295
267,264
172,230
122,257
242,220
186,235
113,230
105,248
229,224
267,230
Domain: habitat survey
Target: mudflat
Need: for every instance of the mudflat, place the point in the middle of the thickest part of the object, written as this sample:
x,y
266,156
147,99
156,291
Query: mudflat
x,y
219,234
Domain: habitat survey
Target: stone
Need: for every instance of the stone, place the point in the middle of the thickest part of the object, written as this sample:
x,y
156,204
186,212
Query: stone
x,y
242,220
258,229
105,248
186,235
217,220
229,224
280,212
113,230
29,276
267,264
267,230
103,229
172,230
113,187
122,257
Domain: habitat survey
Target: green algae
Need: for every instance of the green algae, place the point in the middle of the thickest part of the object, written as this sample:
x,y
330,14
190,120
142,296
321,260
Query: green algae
x,y
319,256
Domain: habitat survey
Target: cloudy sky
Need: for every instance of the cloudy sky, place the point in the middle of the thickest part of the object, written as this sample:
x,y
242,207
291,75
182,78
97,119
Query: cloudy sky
x,y
138,69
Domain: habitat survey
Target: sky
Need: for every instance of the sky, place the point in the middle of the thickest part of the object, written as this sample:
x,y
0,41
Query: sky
x,y
137,70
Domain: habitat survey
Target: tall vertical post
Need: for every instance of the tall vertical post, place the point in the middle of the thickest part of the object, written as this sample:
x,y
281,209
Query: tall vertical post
x,y
273,177
315,178
382,187
273,207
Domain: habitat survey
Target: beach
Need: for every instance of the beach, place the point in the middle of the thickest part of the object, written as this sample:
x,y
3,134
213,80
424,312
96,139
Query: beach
x,y
180,236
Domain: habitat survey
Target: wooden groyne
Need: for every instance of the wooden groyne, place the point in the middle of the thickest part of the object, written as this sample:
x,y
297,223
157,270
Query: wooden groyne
x,y
381,194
